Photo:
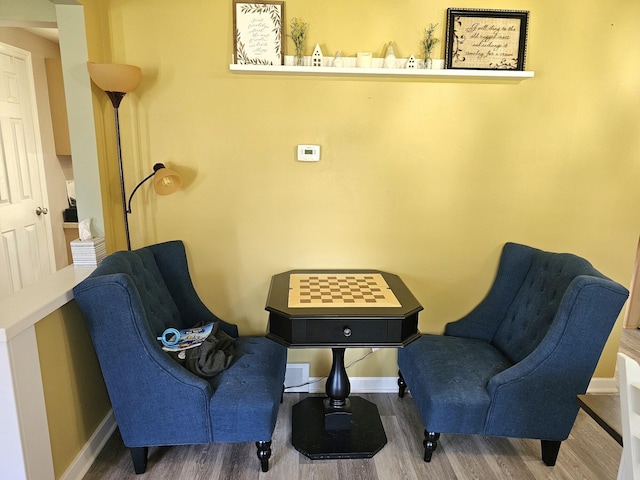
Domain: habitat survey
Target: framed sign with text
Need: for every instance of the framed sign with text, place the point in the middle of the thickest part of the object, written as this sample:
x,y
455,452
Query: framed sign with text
x,y
257,28
486,39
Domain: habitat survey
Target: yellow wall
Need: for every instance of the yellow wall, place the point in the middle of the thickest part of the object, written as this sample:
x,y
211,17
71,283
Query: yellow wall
x,y
75,395
426,179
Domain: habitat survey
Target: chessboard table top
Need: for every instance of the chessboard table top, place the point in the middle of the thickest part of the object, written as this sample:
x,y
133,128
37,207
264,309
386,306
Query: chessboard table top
x,y
283,297
340,289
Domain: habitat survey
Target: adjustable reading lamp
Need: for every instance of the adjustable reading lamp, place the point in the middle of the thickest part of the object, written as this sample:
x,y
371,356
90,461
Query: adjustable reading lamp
x,y
117,80
165,182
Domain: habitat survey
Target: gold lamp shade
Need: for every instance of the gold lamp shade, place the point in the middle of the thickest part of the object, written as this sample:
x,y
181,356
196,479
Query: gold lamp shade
x,y
166,181
114,77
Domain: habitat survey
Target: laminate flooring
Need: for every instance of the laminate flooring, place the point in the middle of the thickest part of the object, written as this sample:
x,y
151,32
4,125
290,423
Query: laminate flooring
x,y
588,454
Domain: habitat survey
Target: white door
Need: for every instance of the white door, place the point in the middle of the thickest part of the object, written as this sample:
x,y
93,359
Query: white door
x,y
26,247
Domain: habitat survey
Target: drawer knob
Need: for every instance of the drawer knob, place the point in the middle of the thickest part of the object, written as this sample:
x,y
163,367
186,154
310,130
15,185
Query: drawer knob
x,y
346,331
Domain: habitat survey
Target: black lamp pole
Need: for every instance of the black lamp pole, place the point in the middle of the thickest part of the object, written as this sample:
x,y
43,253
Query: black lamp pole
x,y
156,167
116,98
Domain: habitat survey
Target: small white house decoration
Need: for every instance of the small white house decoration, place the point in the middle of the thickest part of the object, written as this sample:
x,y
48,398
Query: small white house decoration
x,y
411,63
317,57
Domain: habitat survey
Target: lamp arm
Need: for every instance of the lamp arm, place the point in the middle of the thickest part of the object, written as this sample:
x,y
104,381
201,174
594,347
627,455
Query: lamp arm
x,y
136,189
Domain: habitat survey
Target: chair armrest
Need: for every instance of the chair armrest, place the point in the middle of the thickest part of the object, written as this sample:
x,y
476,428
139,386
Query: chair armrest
x,y
149,392
538,394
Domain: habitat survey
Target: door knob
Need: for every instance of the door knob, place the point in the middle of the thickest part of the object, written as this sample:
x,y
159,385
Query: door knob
x,y
41,211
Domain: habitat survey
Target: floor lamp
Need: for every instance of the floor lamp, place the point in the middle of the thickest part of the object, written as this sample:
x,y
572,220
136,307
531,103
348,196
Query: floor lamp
x,y
116,81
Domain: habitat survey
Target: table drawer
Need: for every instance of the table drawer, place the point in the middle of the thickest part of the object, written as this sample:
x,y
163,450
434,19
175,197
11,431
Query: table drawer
x,y
346,331
330,332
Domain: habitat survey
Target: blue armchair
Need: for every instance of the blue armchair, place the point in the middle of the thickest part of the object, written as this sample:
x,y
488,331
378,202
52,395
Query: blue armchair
x,y
127,302
514,365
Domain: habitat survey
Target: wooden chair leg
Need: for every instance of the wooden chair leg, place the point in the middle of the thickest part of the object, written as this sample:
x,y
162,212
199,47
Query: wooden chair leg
x,y
402,386
264,453
430,444
139,457
550,449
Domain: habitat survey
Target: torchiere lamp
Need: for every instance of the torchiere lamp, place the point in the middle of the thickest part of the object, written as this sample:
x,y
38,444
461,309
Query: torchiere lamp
x,y
117,80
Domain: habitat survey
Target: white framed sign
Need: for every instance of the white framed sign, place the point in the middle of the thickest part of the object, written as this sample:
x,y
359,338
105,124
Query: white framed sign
x,y
257,28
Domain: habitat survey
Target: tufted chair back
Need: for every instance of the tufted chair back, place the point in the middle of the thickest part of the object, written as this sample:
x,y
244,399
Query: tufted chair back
x,y
141,269
536,302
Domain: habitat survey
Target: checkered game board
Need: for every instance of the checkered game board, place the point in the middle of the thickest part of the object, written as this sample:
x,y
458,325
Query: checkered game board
x,y
340,290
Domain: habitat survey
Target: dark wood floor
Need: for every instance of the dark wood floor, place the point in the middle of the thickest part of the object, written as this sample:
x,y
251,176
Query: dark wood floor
x,y
589,452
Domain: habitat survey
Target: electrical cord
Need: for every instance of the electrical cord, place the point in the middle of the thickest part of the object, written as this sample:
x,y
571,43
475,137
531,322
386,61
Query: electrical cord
x,y
310,382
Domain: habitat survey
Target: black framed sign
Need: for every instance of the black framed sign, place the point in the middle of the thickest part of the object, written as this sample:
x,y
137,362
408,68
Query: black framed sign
x,y
486,39
257,28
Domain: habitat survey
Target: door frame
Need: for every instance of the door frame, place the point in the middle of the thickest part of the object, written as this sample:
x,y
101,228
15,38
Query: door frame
x,y
632,314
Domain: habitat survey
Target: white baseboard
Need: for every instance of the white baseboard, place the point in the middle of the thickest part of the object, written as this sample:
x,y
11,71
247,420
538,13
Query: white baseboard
x,y
91,449
390,385
361,385
603,385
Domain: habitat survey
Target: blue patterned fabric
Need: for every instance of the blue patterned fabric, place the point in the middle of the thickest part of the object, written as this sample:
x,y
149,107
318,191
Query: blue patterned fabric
x,y
127,302
513,366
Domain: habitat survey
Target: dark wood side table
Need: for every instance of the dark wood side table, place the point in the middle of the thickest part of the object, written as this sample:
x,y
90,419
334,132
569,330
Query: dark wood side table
x,y
308,309
605,410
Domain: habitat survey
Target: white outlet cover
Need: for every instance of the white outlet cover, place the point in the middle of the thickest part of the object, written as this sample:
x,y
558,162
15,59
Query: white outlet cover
x,y
297,377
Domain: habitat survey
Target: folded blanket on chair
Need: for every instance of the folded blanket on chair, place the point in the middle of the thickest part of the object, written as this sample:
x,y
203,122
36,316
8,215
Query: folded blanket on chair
x,y
209,358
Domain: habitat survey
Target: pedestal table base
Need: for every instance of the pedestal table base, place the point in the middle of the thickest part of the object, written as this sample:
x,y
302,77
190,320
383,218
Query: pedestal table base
x,y
364,439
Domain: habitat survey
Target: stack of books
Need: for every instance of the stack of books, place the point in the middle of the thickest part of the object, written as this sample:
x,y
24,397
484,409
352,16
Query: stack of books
x,y
88,253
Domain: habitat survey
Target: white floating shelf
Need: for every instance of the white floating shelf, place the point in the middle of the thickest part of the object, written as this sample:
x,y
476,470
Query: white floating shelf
x,y
378,70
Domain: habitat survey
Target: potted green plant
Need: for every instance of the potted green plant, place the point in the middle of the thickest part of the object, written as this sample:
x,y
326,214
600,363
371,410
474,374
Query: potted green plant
x,y
428,42
298,34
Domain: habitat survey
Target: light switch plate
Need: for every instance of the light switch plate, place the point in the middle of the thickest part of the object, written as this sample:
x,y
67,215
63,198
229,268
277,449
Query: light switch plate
x,y
309,153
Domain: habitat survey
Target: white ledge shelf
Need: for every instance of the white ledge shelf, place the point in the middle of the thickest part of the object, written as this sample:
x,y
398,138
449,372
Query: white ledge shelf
x,y
377,69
